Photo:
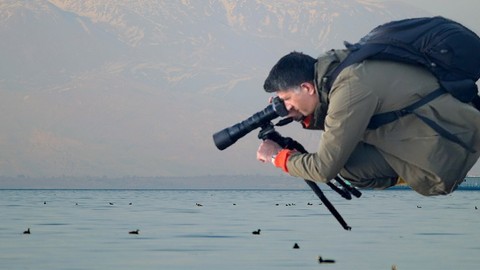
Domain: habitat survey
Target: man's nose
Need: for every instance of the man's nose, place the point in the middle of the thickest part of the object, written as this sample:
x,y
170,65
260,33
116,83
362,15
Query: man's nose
x,y
288,106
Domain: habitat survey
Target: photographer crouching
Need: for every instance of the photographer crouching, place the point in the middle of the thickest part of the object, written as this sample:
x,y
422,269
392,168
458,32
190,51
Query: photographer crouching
x,y
404,151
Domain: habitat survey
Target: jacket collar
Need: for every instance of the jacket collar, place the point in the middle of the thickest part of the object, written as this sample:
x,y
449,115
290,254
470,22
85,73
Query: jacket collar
x,y
325,63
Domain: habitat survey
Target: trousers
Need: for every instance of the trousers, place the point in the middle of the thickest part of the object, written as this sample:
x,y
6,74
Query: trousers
x,y
367,168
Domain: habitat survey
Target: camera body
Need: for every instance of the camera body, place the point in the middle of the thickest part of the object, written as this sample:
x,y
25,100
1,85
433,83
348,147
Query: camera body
x,y
230,135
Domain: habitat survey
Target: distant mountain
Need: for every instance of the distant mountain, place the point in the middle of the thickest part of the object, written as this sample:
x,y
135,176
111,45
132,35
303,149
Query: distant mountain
x,y
121,87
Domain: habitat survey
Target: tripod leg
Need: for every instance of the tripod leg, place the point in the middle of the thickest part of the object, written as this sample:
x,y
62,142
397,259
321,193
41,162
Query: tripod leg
x,y
328,204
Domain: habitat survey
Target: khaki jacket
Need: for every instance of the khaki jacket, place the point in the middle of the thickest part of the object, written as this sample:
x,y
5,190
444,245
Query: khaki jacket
x,y
428,162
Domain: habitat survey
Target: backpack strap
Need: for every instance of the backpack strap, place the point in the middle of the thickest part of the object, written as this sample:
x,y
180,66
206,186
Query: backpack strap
x,y
381,119
384,118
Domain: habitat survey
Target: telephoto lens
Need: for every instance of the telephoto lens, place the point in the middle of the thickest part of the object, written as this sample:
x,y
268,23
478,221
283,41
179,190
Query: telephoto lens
x,y
228,136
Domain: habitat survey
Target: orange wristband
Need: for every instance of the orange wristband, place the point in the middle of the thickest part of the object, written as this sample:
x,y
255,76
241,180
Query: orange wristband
x,y
282,158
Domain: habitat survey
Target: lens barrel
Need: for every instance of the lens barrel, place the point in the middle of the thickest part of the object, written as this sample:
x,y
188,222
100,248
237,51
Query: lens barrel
x,y
230,135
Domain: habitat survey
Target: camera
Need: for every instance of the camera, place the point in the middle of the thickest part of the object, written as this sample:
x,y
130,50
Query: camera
x,y
230,135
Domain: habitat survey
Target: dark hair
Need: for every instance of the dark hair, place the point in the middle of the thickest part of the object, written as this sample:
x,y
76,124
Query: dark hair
x,y
290,71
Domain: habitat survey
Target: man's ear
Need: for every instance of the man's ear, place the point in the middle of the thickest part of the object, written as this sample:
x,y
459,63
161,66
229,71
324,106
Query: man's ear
x,y
309,87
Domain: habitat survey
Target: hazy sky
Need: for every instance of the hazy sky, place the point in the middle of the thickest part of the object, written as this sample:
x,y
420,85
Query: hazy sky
x,y
463,11
75,101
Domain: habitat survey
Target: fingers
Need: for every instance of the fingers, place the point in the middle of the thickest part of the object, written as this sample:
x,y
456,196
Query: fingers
x,y
260,158
266,149
261,153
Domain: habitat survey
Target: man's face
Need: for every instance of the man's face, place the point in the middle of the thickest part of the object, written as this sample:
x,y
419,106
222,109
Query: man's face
x,y
300,101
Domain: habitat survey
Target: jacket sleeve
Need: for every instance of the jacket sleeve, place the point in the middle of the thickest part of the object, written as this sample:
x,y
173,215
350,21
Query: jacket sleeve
x,y
352,104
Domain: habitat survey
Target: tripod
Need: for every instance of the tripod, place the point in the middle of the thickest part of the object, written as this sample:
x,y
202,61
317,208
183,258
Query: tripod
x,y
268,132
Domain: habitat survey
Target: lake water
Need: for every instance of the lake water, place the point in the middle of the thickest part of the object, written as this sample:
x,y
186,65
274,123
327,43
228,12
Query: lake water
x,y
81,229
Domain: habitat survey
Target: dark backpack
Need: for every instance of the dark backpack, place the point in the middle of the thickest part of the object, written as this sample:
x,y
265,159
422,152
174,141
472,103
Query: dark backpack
x,y
446,48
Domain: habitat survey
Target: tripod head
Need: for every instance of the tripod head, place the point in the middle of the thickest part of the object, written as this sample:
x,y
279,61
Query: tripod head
x,y
268,132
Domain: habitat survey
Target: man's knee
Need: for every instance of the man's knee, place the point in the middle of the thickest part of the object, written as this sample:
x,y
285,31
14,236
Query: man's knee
x,y
373,183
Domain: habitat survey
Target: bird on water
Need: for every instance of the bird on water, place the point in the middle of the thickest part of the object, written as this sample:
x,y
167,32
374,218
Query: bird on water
x,y
27,231
134,232
322,260
257,232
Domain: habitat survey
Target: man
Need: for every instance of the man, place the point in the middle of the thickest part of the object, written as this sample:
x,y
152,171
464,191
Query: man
x,y
403,151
